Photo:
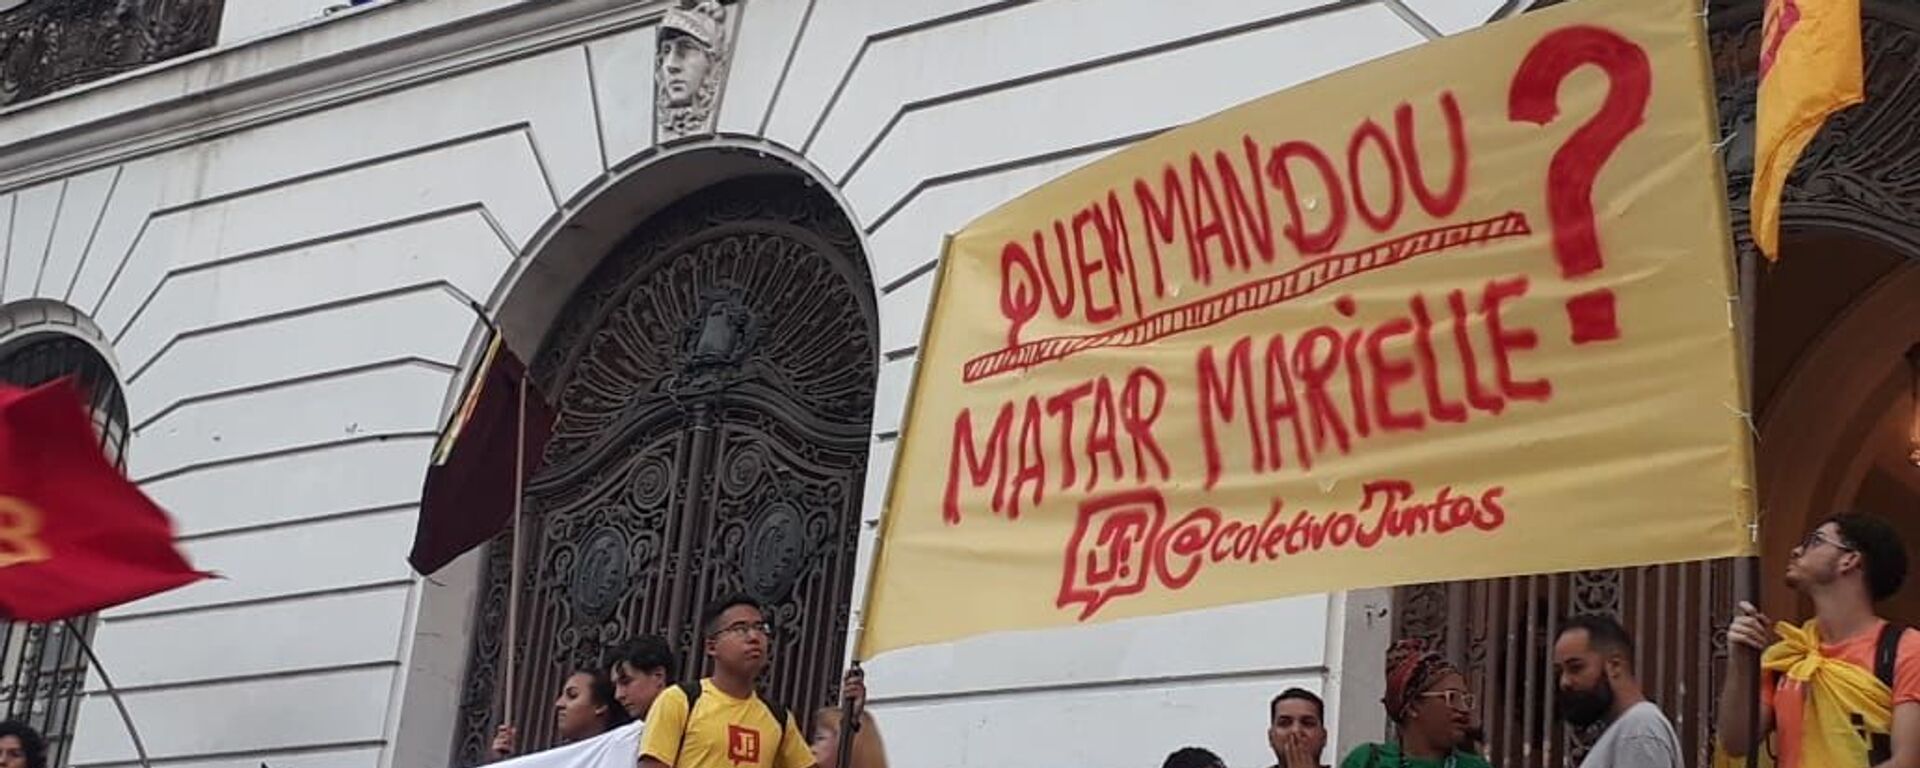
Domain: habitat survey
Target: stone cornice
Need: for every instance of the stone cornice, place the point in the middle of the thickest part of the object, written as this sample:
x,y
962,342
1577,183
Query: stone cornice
x,y
321,64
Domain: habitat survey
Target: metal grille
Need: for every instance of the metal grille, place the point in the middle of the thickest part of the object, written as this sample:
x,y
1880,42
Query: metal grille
x,y
1501,633
50,45
715,381
42,668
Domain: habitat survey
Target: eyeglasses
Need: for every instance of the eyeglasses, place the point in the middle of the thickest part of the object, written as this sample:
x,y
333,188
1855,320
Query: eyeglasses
x,y
1817,538
746,629
1460,700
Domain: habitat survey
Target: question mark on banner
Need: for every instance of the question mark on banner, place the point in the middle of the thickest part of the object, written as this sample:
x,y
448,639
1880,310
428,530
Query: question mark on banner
x,y
1534,98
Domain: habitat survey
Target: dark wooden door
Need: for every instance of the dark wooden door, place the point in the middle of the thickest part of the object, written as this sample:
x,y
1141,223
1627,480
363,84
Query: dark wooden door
x,y
715,392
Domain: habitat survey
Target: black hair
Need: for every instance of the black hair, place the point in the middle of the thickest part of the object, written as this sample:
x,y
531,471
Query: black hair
x,y
1319,707
612,715
710,622
1880,546
1193,757
1604,633
644,653
31,742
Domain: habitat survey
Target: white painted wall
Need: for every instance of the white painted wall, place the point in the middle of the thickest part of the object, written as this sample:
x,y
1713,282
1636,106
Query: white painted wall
x,y
243,20
278,251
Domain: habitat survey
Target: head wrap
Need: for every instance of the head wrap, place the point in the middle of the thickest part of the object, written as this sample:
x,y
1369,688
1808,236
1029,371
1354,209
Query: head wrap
x,y
1411,669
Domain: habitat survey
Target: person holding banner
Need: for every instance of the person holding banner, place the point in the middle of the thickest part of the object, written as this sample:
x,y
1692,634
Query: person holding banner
x,y
1427,700
585,708
1851,701
721,722
868,749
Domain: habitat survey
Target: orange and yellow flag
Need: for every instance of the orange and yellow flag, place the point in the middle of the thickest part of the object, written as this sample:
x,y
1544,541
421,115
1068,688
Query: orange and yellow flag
x,y
1810,68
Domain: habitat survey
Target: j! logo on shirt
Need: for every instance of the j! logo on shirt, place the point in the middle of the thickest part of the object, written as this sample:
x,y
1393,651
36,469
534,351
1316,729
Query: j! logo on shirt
x,y
743,745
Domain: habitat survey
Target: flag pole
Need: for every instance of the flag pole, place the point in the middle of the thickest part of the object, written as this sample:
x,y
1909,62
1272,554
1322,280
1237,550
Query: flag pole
x,y
139,747
1746,576
850,712
513,585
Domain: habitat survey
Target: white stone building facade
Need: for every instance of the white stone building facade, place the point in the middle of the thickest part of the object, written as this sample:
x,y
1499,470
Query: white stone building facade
x,y
273,242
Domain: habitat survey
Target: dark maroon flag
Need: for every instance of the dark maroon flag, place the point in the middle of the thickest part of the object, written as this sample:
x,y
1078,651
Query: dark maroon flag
x,y
472,485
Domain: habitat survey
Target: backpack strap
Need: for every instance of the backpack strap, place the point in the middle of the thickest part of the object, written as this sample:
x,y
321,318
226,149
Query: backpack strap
x,y
1885,655
780,722
692,691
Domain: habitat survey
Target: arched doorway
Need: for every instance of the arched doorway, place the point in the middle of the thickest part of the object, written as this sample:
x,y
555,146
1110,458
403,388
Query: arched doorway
x,y
714,380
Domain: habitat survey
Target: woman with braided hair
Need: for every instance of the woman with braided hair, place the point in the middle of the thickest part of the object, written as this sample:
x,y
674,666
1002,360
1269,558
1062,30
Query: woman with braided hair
x,y
1432,711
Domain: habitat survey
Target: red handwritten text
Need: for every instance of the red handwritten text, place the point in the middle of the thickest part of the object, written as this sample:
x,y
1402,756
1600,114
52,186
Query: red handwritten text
x,y
1326,387
1081,426
1123,543
1219,209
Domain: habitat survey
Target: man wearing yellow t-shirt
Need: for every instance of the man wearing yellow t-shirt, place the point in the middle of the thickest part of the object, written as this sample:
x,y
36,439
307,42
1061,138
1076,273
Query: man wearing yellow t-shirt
x,y
728,725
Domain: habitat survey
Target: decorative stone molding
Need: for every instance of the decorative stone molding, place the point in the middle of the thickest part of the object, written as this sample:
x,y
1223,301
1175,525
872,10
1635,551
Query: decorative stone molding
x,y
690,68
50,45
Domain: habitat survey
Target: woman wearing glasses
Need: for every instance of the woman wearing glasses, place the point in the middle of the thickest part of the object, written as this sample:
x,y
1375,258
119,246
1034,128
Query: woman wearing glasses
x,y
1428,701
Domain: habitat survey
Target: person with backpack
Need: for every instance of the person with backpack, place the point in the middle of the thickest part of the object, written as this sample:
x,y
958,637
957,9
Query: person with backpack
x,y
721,722
1843,689
1431,709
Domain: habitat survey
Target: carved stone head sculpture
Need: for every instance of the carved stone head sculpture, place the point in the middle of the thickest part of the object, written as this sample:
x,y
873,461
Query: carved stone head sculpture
x,y
690,66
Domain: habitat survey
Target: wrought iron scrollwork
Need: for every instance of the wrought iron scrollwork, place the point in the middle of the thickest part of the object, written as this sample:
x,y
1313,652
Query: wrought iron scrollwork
x,y
715,381
1856,174
49,45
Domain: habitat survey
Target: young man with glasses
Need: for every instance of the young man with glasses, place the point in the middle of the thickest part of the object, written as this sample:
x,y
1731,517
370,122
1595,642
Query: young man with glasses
x,y
1844,688
721,722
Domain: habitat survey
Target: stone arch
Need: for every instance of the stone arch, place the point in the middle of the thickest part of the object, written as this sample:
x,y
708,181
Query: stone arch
x,y
570,245
733,237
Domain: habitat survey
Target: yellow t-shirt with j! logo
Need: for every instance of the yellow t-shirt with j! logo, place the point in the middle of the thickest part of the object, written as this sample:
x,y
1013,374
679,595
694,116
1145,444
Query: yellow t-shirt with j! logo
x,y
721,732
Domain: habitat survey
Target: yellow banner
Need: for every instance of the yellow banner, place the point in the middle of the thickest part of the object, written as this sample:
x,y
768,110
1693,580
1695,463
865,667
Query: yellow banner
x,y
1810,68
1457,313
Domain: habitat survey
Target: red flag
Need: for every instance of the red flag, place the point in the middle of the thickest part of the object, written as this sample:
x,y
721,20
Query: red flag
x,y
75,535
471,484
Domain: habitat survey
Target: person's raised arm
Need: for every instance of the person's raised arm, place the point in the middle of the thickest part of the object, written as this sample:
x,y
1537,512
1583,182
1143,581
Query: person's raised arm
x,y
1747,636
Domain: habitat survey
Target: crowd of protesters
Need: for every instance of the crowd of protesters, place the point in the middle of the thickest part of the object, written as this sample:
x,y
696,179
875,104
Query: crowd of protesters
x,y
1841,689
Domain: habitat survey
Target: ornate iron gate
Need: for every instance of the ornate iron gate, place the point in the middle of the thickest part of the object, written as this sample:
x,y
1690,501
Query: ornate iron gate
x,y
42,667
715,380
1501,632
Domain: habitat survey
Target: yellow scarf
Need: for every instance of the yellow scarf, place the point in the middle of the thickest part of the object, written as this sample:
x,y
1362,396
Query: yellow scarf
x,y
1836,691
